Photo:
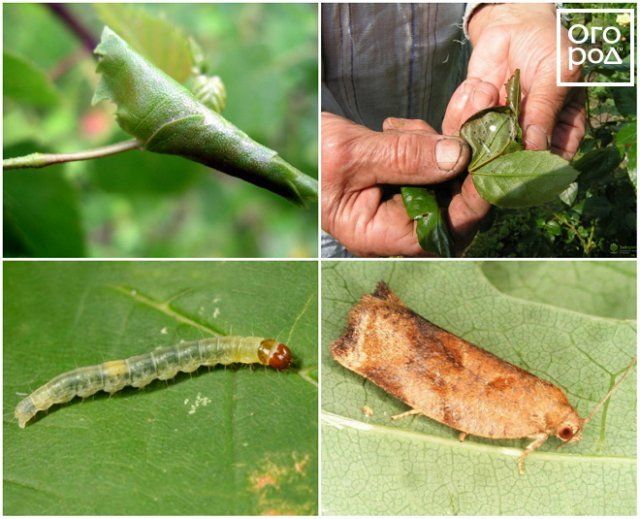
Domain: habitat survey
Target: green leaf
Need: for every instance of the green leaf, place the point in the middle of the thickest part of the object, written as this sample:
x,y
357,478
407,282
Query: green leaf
x,y
568,196
597,164
422,206
249,448
167,118
491,133
626,141
502,172
604,289
41,212
374,466
158,40
513,94
523,178
26,83
210,91
625,100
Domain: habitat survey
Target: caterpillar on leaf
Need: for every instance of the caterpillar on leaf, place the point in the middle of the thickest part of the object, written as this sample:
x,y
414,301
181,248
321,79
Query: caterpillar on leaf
x,y
162,363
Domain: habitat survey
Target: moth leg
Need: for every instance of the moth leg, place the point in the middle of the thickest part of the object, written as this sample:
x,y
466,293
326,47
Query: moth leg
x,y
410,412
538,440
462,436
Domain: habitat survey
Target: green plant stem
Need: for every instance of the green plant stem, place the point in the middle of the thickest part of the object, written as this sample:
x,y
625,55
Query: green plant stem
x,y
42,160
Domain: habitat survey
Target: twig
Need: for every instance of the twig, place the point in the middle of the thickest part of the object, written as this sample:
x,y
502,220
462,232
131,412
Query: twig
x,y
41,160
75,25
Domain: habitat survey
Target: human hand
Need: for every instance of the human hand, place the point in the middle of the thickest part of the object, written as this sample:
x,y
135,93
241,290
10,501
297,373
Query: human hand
x,y
507,37
357,162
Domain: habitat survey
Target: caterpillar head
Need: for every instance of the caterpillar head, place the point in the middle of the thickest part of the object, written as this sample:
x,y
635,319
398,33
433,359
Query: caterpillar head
x,y
274,354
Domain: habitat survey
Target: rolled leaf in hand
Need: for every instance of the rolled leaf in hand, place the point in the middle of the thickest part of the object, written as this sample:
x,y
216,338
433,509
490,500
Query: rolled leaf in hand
x,y
503,172
431,228
167,118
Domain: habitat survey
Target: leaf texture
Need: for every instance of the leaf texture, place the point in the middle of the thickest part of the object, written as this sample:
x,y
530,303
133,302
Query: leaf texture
x,y
158,40
523,178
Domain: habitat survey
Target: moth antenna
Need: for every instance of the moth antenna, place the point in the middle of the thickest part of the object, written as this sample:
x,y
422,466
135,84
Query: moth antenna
x,y
611,391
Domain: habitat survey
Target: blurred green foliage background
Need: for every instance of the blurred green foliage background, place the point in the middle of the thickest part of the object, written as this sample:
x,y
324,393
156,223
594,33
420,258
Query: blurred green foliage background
x,y
140,204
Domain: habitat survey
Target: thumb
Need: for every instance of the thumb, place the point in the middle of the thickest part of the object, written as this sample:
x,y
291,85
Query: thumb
x,y
409,152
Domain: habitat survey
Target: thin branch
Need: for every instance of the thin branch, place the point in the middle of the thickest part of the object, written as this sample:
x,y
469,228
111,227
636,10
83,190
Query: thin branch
x,y
41,160
72,22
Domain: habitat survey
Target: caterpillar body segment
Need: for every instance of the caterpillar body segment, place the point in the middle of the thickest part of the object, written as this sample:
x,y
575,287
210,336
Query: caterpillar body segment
x,y
162,363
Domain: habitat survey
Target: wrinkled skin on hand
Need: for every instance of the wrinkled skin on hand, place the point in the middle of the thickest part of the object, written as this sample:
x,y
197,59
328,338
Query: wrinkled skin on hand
x,y
357,162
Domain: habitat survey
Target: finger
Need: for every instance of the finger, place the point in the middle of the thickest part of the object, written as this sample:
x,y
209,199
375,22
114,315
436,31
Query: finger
x,y
466,210
568,133
490,57
540,108
470,97
396,157
391,232
396,123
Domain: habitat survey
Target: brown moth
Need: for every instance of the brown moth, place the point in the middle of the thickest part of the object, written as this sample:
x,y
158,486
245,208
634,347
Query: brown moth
x,y
452,381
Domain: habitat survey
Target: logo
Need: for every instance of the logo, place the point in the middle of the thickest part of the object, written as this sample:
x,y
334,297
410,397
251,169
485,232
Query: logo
x,y
597,44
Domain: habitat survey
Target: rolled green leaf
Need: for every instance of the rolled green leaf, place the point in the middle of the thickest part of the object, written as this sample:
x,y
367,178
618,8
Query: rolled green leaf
x,y
431,228
503,172
490,134
167,118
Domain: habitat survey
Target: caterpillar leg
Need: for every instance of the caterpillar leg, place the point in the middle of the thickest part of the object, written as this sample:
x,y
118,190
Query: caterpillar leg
x,y
463,436
538,440
410,412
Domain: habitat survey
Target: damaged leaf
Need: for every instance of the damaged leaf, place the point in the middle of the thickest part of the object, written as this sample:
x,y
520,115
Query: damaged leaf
x,y
167,118
503,173
422,206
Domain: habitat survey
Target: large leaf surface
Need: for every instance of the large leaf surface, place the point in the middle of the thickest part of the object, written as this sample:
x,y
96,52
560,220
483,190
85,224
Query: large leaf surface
x,y
605,289
238,440
372,465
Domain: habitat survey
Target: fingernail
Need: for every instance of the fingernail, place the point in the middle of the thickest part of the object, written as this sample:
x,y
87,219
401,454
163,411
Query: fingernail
x,y
481,99
448,153
535,138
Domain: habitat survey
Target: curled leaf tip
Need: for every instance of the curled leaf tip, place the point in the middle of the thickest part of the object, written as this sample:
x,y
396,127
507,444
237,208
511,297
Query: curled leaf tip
x,y
167,118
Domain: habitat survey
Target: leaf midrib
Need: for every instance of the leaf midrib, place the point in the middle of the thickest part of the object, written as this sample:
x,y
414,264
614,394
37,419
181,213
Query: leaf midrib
x,y
339,421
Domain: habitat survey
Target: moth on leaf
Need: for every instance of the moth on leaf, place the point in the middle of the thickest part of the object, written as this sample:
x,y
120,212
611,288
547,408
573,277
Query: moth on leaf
x,y
167,118
452,381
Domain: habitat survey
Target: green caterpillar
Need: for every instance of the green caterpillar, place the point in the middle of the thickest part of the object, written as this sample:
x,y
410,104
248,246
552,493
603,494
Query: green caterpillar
x,y
162,363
